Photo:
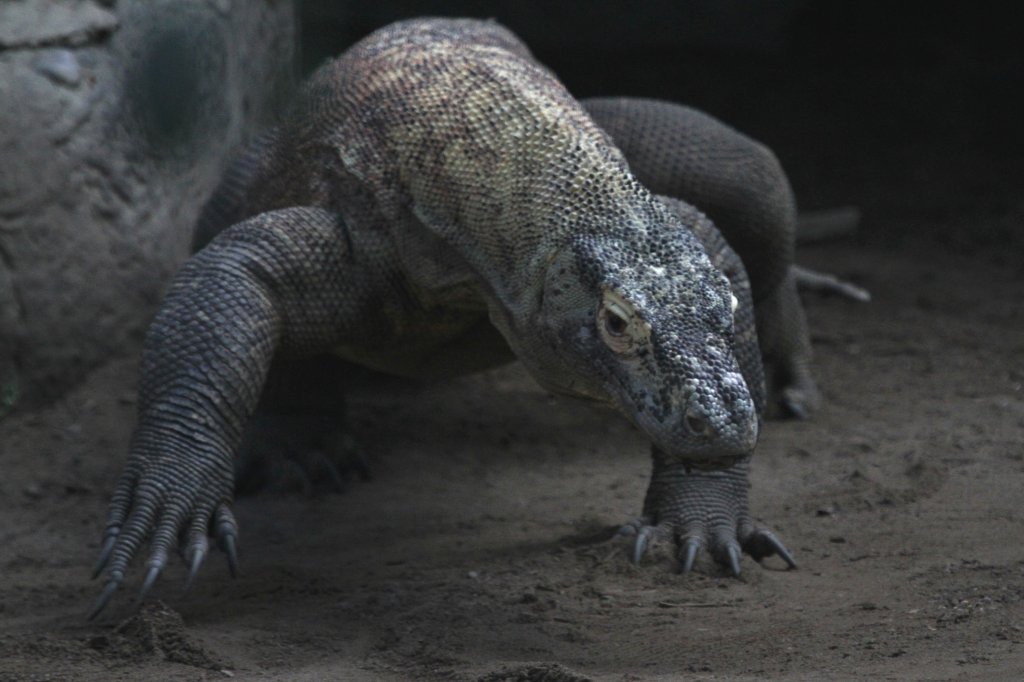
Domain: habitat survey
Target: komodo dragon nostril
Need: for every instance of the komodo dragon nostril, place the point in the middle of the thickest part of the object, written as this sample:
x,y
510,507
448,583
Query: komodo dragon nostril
x,y
697,424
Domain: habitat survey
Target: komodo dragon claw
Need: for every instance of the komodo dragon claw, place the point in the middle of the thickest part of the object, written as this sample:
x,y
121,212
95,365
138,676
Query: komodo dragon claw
x,y
225,530
110,537
690,549
760,544
718,521
193,566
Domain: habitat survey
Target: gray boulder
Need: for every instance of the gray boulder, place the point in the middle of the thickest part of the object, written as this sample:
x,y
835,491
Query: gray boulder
x,y
116,121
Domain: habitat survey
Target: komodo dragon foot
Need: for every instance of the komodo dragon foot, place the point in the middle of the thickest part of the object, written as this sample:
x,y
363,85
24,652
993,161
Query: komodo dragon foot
x,y
299,439
702,509
298,452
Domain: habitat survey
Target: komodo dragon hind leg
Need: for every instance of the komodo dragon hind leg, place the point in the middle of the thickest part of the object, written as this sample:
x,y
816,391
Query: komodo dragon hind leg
x,y
786,346
299,437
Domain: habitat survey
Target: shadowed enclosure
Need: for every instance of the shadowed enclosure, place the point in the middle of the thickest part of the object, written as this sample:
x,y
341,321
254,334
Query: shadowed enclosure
x,y
483,548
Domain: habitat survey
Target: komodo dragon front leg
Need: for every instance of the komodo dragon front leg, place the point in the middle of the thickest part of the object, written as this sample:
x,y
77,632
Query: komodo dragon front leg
x,y
684,153
288,281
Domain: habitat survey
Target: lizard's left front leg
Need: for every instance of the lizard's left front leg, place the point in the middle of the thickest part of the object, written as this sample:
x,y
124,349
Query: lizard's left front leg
x,y
702,509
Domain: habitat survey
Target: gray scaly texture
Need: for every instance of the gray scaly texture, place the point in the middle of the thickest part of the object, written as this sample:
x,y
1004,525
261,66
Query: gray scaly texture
x,y
435,204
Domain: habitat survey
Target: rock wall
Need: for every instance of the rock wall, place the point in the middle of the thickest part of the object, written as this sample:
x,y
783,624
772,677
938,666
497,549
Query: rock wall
x,y
116,119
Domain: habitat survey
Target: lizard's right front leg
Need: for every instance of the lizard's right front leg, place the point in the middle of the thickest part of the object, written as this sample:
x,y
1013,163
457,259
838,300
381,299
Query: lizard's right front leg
x,y
282,281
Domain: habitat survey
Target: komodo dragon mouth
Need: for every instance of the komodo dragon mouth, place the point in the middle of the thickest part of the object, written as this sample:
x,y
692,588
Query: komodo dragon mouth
x,y
713,463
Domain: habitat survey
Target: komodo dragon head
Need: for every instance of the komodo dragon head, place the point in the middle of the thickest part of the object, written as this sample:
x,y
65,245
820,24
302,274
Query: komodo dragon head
x,y
634,314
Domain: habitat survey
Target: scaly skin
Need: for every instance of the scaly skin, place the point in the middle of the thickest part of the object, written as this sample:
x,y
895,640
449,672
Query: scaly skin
x,y
265,287
438,203
698,509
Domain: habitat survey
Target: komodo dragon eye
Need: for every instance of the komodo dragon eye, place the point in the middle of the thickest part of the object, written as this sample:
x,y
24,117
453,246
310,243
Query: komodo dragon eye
x,y
620,326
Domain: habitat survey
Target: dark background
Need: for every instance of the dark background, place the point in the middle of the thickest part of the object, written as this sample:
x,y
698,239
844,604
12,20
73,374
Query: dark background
x,y
899,108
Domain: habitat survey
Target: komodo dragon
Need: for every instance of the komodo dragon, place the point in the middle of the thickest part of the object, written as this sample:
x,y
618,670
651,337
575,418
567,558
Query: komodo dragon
x,y
438,203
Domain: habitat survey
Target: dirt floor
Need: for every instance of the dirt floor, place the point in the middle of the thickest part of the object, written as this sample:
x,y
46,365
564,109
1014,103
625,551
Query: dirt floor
x,y
483,548
480,549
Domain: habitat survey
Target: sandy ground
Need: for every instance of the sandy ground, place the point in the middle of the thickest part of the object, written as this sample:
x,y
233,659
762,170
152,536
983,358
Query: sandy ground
x,y
482,547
